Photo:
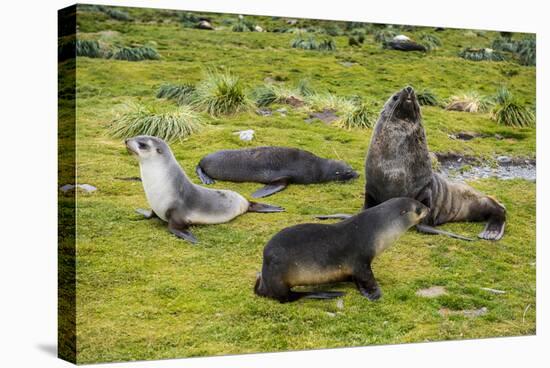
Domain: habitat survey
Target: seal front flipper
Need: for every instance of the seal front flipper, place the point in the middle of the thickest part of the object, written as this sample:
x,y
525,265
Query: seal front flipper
x,y
262,207
205,179
181,232
148,214
335,216
493,230
432,230
366,283
272,188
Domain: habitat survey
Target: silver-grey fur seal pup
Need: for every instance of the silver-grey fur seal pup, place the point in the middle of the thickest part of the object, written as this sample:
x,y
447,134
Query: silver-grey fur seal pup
x,y
311,254
275,166
175,199
398,165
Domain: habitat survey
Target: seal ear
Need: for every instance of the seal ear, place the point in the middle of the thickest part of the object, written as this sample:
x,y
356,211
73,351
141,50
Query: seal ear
x,y
159,150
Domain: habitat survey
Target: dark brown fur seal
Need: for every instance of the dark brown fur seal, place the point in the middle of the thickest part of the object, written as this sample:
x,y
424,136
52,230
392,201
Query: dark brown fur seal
x,y
311,254
398,165
275,166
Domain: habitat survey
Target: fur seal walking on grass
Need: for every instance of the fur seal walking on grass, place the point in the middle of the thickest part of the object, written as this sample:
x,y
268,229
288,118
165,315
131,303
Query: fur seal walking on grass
x,y
275,166
310,254
398,165
175,199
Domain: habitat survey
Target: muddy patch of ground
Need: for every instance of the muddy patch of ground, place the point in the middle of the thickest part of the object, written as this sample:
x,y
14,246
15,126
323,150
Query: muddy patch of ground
x,y
462,168
327,116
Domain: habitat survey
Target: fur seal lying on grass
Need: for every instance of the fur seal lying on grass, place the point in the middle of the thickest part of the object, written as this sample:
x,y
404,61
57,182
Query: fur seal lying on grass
x,y
274,166
175,199
398,165
310,254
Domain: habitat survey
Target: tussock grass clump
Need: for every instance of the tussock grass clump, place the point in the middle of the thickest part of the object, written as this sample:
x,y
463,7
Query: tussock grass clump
x,y
356,40
88,48
243,25
311,43
329,101
221,94
304,88
527,52
510,112
183,94
147,120
359,116
431,42
504,44
524,50
269,94
469,102
114,13
384,35
189,20
427,98
136,53
481,54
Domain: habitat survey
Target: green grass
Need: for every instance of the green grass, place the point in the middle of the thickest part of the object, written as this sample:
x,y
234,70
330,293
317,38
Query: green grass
x,y
221,94
136,53
427,98
359,116
508,111
183,94
168,124
143,294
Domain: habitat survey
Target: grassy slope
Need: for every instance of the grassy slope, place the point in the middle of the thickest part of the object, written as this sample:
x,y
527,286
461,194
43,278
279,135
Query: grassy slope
x,y
143,294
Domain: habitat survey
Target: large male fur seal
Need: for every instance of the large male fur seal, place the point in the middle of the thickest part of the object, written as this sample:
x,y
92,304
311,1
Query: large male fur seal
x,y
310,254
398,165
175,199
274,166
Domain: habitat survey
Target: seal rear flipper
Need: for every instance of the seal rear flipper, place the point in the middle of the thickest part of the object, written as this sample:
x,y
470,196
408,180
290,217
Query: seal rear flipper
x,y
148,214
180,230
262,207
494,230
432,230
185,235
335,216
323,294
271,188
205,179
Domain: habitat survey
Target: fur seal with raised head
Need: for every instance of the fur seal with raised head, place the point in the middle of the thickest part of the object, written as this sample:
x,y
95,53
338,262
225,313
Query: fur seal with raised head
x,y
274,166
311,254
175,199
398,165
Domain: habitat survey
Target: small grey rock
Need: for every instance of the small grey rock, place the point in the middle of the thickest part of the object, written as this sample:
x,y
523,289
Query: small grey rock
x,y
65,188
432,292
340,304
503,160
87,188
264,112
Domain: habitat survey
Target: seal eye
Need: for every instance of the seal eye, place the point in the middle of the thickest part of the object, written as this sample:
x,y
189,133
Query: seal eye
x,y
418,211
403,212
337,172
395,97
142,146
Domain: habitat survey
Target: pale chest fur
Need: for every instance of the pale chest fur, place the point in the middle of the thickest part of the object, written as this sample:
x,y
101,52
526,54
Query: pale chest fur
x,y
158,187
